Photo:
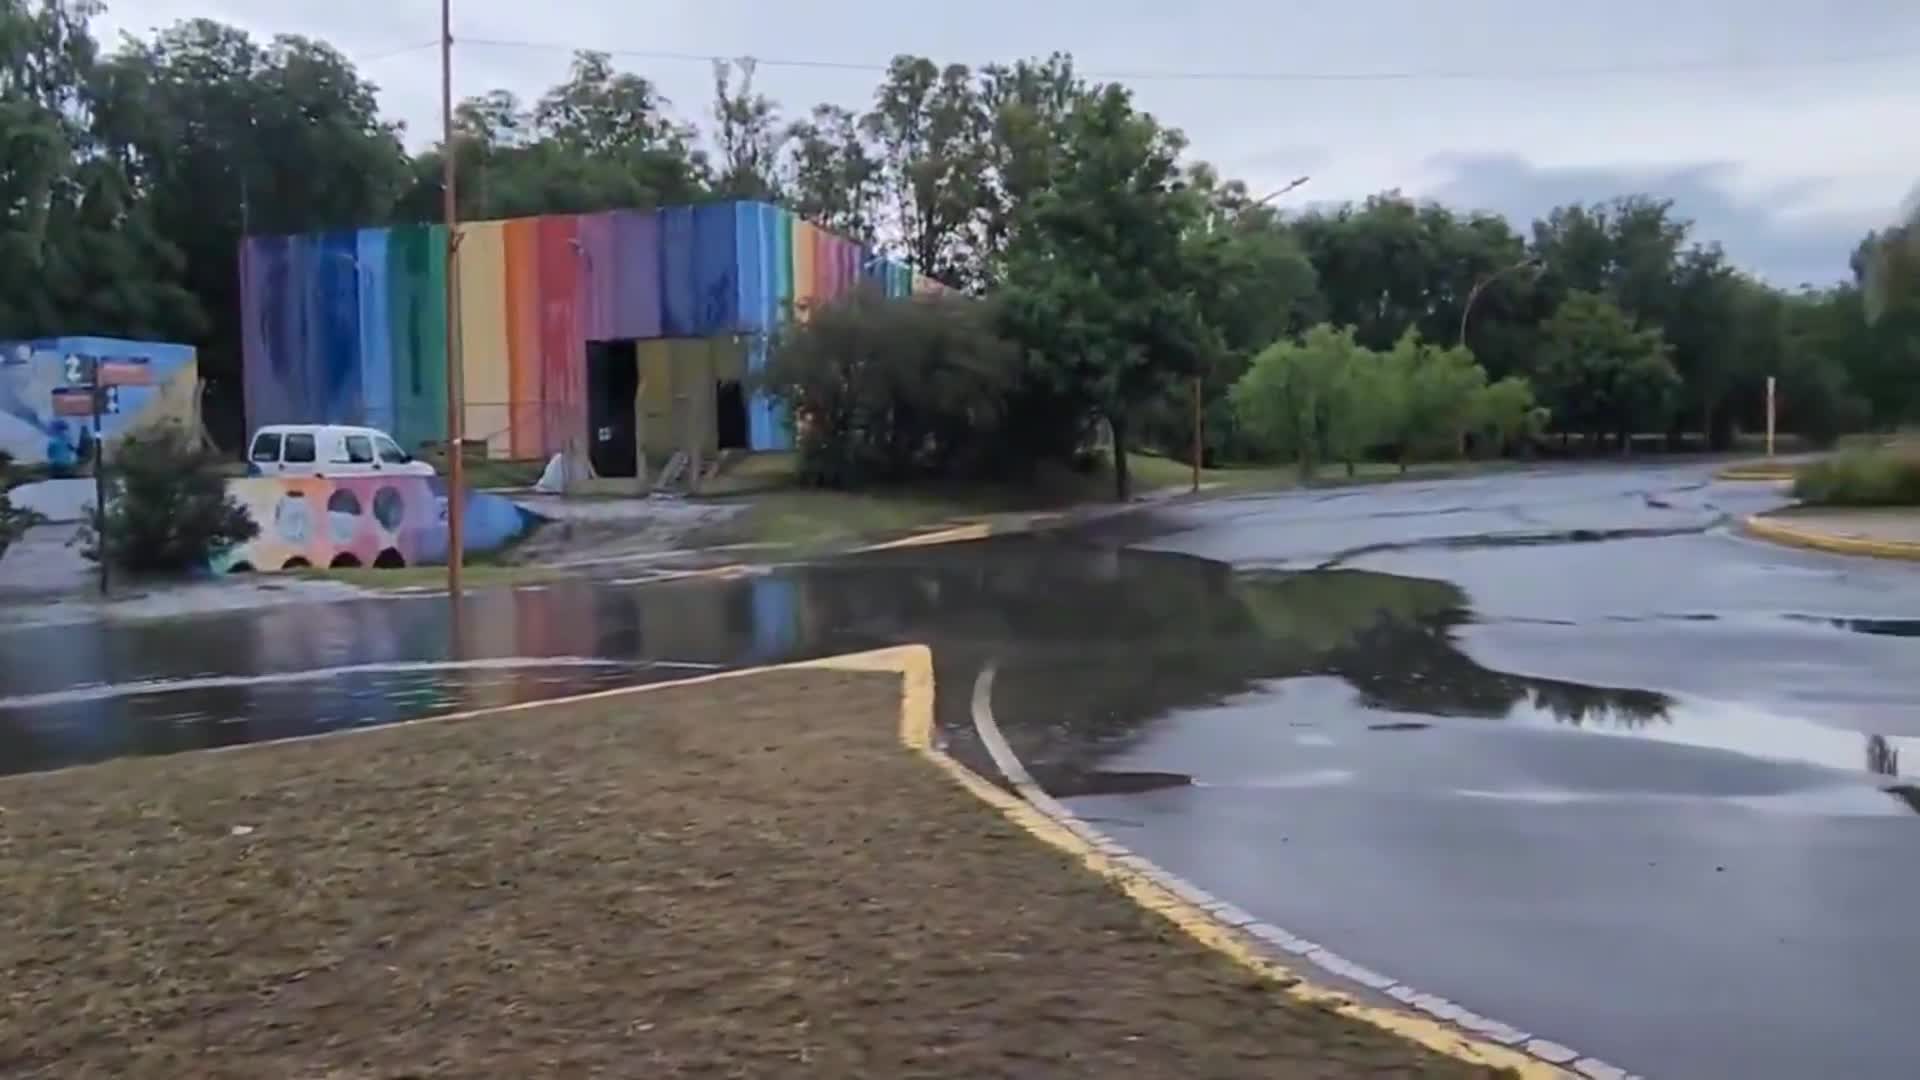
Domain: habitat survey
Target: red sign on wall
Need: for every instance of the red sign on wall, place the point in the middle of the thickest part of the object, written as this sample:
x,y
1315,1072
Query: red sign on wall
x,y
72,401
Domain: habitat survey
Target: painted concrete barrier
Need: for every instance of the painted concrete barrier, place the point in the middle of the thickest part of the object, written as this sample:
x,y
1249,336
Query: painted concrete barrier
x,y
350,521
1765,527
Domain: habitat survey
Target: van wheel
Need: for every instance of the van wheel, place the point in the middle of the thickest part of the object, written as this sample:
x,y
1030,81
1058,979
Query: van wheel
x,y
346,560
389,559
297,563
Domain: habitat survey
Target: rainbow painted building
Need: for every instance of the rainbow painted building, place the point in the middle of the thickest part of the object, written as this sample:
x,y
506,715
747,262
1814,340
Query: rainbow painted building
x,y
623,336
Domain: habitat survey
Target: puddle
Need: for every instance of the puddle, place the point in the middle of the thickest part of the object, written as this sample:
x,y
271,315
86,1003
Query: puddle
x,y
1096,645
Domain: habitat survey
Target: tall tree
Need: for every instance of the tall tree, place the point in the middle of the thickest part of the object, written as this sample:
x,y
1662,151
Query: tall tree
x,y
80,250
928,125
1025,106
1603,375
1098,285
747,133
227,136
833,179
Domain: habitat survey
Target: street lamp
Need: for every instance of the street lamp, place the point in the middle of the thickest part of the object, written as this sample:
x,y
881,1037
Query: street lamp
x,y
1272,195
1199,381
1533,263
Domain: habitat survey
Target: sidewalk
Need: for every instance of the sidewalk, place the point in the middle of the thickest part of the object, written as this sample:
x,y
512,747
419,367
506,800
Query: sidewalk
x,y
736,877
1885,533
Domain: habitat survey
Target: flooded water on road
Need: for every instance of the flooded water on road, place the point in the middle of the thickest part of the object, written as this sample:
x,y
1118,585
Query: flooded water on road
x,y
1096,646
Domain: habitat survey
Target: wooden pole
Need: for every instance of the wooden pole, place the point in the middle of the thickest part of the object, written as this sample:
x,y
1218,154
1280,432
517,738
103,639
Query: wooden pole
x,y
1198,439
456,383
1770,415
98,397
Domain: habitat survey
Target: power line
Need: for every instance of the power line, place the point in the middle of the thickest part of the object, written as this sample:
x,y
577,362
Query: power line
x,y
1677,67
374,58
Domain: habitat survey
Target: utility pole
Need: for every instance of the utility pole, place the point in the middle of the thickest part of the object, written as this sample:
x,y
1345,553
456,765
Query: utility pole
x,y
456,382
1198,439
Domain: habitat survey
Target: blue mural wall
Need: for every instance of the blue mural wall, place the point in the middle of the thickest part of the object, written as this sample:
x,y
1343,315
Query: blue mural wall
x,y
33,373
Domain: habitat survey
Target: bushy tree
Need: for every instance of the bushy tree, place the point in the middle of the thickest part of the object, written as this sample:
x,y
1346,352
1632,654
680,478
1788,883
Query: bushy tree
x,y
1099,287
13,521
168,510
890,390
1603,375
1505,416
1433,393
1319,398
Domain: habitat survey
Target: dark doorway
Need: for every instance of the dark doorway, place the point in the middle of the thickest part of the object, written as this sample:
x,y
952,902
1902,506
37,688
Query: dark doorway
x,y
613,382
730,421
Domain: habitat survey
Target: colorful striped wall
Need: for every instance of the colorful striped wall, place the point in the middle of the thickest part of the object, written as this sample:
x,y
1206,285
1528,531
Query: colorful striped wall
x,y
347,327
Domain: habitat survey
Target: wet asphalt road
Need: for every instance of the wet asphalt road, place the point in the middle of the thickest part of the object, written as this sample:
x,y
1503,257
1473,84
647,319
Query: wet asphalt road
x,y
1553,744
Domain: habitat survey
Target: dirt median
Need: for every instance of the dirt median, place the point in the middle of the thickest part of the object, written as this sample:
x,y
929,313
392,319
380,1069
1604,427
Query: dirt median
x,y
739,878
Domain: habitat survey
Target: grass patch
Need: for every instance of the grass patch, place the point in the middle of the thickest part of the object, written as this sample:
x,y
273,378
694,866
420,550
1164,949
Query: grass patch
x,y
486,472
742,878
1889,477
787,514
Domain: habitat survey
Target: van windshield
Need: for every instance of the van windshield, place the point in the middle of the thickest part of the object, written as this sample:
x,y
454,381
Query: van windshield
x,y
390,452
266,447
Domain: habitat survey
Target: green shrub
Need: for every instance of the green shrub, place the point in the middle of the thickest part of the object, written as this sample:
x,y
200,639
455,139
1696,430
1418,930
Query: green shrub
x,y
892,390
1861,478
168,509
12,522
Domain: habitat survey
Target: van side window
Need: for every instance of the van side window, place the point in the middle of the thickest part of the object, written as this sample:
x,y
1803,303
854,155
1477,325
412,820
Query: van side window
x,y
391,453
299,448
359,450
266,447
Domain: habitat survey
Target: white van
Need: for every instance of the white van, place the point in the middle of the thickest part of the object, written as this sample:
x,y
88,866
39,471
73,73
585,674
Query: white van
x,y
329,450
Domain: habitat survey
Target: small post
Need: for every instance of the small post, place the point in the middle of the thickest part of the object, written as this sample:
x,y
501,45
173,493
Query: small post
x,y
1770,415
95,394
1198,439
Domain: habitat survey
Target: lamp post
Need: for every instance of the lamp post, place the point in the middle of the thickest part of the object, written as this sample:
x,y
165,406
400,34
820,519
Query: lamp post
x,y
1199,381
1528,263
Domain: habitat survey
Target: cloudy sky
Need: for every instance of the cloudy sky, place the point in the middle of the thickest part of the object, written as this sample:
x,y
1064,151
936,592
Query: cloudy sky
x,y
1786,130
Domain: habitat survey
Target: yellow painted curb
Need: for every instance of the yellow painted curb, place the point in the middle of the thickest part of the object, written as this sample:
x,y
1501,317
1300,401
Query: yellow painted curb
x,y
1756,472
916,732
1766,528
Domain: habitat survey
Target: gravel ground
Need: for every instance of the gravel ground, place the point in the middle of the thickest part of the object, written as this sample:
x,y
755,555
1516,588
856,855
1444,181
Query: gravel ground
x,y
743,878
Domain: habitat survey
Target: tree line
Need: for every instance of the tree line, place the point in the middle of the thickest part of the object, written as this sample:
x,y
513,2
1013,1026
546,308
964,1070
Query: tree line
x,y
1117,266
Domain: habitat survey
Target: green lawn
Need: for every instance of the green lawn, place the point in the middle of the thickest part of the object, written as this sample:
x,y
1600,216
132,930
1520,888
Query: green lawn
x,y
780,512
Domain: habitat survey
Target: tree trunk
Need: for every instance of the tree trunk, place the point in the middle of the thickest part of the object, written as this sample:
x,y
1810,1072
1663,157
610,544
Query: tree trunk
x,y
1122,481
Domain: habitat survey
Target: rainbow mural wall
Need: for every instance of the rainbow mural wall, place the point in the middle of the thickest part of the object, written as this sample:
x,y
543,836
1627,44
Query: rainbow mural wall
x,y
348,327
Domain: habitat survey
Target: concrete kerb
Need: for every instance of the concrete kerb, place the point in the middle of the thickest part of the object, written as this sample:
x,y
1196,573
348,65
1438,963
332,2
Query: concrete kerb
x,y
1758,473
1765,527
1266,949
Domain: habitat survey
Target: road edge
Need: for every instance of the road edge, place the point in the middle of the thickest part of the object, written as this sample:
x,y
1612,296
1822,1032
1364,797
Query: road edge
x,y
1766,527
1259,947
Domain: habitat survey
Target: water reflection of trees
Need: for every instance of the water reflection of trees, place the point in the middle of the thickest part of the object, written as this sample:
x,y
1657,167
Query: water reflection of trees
x,y
1096,644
